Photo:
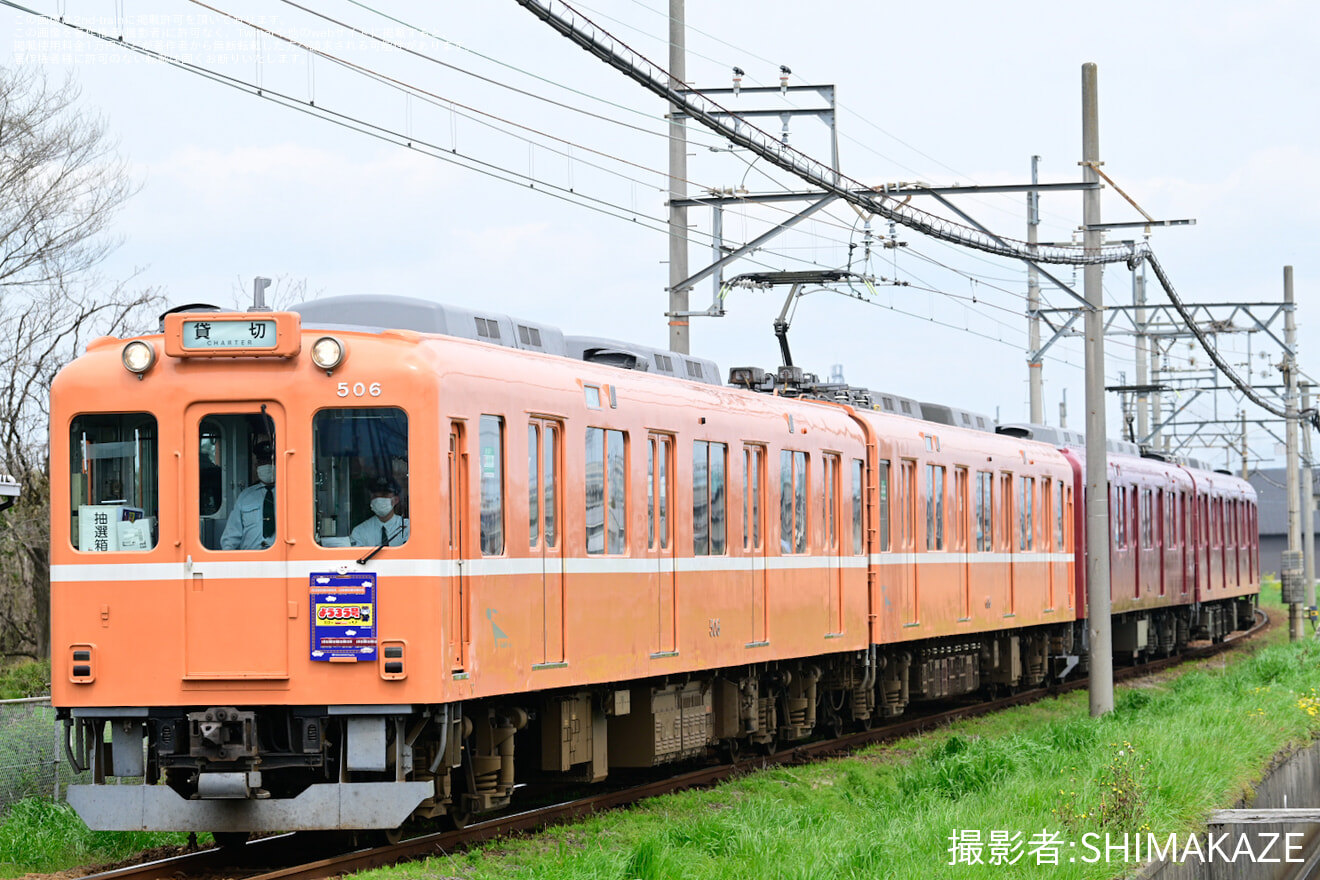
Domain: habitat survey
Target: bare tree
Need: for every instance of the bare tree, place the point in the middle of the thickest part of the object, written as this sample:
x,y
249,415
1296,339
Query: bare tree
x,y
61,183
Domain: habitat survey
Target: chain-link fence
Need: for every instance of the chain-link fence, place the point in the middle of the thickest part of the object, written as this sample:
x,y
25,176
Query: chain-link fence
x,y
31,752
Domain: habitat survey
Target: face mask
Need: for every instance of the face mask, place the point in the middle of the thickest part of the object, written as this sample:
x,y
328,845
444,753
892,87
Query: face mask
x,y
266,473
382,506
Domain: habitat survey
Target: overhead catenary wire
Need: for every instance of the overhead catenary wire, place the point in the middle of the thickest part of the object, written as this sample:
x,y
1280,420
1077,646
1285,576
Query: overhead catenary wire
x,y
581,30
569,22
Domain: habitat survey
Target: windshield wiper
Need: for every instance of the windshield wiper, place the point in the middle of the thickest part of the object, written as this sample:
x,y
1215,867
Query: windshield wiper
x,y
365,559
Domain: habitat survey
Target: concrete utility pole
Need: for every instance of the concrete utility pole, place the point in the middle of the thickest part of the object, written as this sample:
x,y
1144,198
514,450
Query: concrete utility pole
x,y
1308,503
678,230
1097,476
1293,572
1033,303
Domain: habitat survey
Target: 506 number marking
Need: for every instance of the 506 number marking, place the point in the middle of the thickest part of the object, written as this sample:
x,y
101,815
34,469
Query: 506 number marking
x,y
358,389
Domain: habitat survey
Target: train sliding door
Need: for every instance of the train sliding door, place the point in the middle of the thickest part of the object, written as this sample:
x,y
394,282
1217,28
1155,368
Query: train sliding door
x,y
545,530
754,542
660,539
960,540
237,540
833,545
458,505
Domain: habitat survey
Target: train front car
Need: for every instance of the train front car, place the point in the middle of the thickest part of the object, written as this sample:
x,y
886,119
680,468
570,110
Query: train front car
x,y
218,650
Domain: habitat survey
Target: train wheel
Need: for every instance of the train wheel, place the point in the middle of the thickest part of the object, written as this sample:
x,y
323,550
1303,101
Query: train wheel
x,y
230,839
458,819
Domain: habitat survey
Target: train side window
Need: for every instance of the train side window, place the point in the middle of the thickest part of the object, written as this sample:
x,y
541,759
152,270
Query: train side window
x,y
753,483
1006,510
542,478
907,505
934,507
114,486
360,455
1026,513
533,486
858,510
490,441
708,484
882,478
792,502
606,491
832,499
1059,543
210,454
1046,513
1147,515
985,507
658,468
1118,513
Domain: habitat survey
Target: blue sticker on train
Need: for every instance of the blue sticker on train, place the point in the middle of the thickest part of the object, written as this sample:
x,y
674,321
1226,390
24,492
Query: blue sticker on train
x,y
343,612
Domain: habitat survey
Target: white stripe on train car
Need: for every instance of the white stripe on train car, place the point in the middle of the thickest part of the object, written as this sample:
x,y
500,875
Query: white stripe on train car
x,y
501,566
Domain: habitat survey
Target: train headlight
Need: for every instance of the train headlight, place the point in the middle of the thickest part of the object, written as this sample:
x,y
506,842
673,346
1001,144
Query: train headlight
x,y
327,353
138,356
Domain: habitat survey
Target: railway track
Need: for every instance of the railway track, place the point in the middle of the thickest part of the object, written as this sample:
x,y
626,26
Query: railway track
x,y
317,855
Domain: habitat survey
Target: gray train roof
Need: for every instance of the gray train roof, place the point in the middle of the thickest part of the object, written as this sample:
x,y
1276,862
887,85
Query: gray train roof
x,y
631,356
961,418
897,404
406,313
387,312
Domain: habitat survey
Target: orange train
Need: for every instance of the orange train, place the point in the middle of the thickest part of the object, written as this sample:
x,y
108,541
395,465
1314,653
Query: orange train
x,y
377,558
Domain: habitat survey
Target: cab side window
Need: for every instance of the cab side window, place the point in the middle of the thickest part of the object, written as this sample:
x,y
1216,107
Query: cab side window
x,y
114,486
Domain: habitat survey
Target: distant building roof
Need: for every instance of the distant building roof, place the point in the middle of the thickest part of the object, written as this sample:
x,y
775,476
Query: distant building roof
x,y
1271,486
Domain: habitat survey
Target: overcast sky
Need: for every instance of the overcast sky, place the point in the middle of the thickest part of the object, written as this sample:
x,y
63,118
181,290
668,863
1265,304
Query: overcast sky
x,y
1207,111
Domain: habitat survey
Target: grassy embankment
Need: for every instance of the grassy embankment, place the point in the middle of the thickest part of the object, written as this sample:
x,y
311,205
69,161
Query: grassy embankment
x,y
39,836
1172,751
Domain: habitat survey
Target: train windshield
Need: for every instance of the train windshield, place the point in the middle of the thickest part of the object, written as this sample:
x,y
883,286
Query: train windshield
x,y
361,496
114,489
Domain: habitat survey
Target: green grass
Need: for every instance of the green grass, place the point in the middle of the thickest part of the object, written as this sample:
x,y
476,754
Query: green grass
x,y
31,679
38,836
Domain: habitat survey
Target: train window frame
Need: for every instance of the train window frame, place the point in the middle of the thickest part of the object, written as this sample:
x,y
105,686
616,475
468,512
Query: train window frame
x,y
985,511
1146,518
907,502
794,489
709,498
543,483
935,488
833,497
858,506
612,499
1006,512
100,522
659,450
491,484
1060,517
1026,513
882,488
754,459
347,495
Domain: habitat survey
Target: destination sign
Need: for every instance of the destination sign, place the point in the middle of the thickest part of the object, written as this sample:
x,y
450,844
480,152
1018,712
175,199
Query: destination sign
x,y
229,334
